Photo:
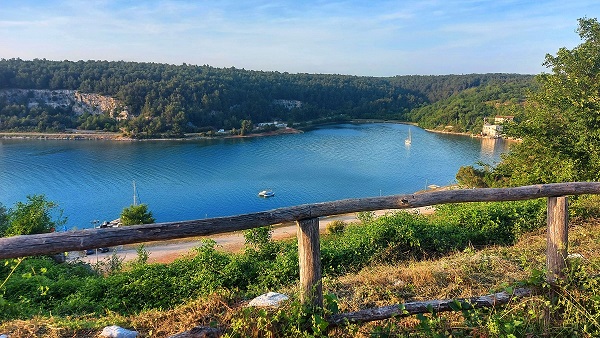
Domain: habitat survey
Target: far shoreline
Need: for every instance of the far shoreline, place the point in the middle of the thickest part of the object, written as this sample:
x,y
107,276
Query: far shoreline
x,y
75,134
115,136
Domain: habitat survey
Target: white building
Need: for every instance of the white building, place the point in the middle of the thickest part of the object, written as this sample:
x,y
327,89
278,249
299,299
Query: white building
x,y
491,130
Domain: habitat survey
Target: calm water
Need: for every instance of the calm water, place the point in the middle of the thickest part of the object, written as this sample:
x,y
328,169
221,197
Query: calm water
x,y
209,178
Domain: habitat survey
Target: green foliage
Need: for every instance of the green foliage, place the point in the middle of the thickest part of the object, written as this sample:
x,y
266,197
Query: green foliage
x,y
36,216
561,125
584,206
258,238
136,214
365,216
464,111
293,319
246,127
142,255
492,222
169,100
336,227
470,177
4,220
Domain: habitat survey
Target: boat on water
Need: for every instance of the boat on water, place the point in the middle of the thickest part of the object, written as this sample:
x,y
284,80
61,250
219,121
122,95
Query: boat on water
x,y
266,193
408,140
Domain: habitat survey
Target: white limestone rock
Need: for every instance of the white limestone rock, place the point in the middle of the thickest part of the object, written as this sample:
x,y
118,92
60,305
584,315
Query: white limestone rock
x,y
270,299
118,332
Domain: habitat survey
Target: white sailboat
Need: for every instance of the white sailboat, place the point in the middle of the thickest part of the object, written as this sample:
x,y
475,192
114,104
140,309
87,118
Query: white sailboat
x,y
408,140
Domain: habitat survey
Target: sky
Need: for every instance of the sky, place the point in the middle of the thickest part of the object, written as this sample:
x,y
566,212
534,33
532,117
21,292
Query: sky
x,y
365,38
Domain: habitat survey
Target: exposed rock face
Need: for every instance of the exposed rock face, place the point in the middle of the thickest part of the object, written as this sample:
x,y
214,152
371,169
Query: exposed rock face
x,y
79,103
289,104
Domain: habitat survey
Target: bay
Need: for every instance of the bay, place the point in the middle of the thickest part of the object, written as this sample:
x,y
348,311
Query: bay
x,y
184,180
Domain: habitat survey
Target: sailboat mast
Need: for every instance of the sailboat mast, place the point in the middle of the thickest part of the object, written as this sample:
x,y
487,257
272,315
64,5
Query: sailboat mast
x,y
134,194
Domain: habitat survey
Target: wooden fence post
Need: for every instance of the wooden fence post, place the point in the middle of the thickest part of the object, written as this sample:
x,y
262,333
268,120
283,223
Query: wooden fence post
x,y
309,257
557,245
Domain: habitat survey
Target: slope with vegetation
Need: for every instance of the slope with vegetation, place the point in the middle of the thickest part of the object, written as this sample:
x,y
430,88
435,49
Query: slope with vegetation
x,y
459,251
170,100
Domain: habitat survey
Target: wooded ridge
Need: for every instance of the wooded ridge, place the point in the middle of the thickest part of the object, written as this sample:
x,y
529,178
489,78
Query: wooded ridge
x,y
169,100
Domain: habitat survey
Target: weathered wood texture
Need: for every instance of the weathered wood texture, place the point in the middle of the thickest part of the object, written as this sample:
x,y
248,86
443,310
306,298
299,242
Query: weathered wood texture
x,y
309,257
31,245
557,237
412,308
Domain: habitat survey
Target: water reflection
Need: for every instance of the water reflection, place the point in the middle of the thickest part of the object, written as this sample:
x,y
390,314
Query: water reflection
x,y
491,147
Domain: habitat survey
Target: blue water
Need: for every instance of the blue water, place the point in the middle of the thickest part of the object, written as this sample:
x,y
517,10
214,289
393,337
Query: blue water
x,y
183,180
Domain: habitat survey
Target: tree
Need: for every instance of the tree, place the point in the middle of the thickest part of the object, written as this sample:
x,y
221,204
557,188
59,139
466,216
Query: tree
x,y
36,216
561,124
4,220
246,127
470,177
136,214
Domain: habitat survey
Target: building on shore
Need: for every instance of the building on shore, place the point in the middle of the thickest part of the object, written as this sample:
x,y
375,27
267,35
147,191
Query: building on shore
x,y
495,130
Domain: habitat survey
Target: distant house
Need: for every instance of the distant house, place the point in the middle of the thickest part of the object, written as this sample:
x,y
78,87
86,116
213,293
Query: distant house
x,y
491,130
503,119
277,124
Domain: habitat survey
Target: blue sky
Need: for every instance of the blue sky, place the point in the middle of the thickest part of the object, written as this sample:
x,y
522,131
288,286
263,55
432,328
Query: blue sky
x,y
374,38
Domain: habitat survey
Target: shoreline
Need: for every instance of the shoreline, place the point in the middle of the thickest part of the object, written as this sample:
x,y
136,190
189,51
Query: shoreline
x,y
115,136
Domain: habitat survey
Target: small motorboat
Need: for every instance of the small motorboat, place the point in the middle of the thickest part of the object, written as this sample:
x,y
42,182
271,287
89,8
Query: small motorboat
x,y
266,193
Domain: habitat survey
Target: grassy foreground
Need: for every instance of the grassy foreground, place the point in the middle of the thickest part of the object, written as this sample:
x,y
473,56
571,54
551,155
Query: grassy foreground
x,y
461,251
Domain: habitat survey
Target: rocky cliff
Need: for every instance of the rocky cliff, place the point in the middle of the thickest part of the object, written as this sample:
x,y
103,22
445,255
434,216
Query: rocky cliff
x,y
79,103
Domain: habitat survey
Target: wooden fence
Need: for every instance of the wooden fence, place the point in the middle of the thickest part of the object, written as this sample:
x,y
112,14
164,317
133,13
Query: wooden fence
x,y
306,216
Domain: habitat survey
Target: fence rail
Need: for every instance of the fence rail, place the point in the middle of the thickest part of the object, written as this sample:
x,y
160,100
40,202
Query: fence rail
x,y
306,216
31,245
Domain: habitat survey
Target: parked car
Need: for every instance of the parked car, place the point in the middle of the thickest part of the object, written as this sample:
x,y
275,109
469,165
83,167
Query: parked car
x,y
93,251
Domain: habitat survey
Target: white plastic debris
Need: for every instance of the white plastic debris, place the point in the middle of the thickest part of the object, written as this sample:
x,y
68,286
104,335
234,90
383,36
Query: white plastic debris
x,y
118,332
270,299
575,256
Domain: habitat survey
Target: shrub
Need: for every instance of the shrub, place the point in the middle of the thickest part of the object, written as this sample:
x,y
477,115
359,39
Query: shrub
x,y
336,227
585,206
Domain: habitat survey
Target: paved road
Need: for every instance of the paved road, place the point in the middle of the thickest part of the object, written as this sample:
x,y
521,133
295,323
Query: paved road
x,y
167,251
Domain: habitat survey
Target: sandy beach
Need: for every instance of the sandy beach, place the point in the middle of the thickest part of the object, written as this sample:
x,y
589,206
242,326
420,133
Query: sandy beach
x,y
168,251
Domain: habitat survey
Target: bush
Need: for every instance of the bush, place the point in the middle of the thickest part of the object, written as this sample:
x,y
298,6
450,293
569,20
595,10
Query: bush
x,y
136,214
36,216
336,227
585,206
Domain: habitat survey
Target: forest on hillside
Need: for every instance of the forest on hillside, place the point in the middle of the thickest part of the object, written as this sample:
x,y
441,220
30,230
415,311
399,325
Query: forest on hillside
x,y
169,100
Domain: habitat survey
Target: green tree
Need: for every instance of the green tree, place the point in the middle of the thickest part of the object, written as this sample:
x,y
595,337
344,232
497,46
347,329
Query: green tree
x,y
36,216
470,177
4,220
246,127
136,214
561,124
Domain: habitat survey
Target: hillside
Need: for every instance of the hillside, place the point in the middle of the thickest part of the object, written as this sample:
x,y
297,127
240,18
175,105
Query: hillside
x,y
169,100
